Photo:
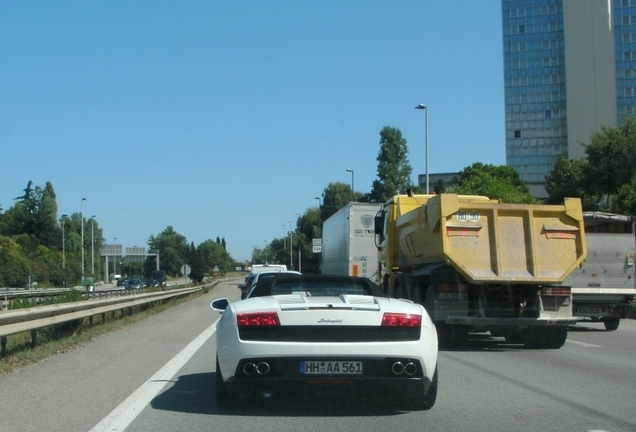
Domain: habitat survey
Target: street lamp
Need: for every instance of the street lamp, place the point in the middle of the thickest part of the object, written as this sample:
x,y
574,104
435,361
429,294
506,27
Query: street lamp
x,y
319,214
63,251
82,222
93,245
353,196
299,263
284,238
425,108
265,251
291,252
114,258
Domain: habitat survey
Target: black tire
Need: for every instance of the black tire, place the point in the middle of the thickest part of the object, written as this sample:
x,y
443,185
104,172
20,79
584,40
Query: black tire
x,y
424,401
223,398
545,337
513,337
611,324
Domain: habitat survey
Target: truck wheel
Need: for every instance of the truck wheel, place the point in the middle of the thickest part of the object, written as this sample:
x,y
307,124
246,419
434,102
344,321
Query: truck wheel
x,y
444,333
544,337
385,285
611,324
513,337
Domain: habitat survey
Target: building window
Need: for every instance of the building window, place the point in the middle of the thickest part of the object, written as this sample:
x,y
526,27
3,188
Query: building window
x,y
517,134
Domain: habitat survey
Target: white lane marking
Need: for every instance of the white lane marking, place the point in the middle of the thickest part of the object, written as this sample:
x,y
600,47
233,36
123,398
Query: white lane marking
x,y
583,344
122,416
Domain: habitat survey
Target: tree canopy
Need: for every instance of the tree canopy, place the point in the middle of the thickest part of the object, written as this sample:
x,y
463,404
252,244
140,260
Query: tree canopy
x,y
496,182
605,178
394,170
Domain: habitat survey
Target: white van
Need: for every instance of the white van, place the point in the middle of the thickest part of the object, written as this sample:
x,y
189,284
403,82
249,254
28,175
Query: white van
x,y
260,268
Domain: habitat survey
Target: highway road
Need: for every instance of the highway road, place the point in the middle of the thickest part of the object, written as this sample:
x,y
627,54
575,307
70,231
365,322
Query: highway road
x,y
158,375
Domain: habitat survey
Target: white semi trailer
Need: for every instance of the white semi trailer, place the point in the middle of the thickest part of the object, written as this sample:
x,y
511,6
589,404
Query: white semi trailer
x,y
348,246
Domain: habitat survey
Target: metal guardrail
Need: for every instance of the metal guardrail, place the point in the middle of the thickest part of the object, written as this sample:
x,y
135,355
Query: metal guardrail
x,y
22,320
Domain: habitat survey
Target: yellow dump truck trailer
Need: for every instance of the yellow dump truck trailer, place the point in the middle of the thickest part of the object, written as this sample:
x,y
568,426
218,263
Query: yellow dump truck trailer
x,y
481,265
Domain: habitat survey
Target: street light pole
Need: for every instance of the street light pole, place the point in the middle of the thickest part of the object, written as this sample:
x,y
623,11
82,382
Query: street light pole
x,y
299,263
291,252
353,194
63,252
82,222
284,238
114,258
93,245
319,215
425,108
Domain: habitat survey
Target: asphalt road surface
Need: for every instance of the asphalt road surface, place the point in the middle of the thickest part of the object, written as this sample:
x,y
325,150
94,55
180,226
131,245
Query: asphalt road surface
x,y
158,375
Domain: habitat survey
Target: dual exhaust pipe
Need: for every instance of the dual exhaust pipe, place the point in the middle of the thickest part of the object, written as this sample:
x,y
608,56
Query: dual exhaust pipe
x,y
261,368
400,368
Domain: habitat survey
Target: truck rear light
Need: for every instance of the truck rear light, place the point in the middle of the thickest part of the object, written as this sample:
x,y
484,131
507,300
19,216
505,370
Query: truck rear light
x,y
258,319
401,320
451,287
556,291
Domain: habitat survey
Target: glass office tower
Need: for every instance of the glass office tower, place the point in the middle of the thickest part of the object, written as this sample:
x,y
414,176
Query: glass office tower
x,y
567,72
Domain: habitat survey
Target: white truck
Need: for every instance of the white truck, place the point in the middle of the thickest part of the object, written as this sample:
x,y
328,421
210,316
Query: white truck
x,y
604,287
348,246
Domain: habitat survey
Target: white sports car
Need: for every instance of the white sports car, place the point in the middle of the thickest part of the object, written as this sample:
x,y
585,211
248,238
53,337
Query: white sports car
x,y
335,336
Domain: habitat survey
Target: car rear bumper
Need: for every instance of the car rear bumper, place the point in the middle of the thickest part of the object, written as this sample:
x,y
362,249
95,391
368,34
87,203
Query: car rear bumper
x,y
282,378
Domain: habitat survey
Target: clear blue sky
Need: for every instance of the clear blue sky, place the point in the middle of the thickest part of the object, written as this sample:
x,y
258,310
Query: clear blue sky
x,y
226,118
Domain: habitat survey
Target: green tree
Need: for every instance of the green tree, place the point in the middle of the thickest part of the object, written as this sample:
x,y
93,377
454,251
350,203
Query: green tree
x,y
496,182
604,178
394,170
334,197
308,228
625,198
611,157
567,179
173,250
35,214
196,261
215,255
15,267
46,266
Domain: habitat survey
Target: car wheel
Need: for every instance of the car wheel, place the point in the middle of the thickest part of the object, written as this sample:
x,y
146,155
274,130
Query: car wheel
x,y
425,400
223,398
611,324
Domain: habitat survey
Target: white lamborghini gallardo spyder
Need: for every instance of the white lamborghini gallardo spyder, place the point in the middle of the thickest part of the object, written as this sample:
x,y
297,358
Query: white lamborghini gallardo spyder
x,y
308,335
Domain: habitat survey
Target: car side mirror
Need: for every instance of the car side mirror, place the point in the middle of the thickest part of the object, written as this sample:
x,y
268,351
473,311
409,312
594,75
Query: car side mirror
x,y
220,304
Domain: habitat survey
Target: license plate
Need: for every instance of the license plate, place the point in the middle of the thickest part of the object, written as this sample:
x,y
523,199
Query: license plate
x,y
330,367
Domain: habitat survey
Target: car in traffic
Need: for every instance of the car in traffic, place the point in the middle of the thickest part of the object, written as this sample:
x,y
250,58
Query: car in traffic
x,y
253,278
263,276
150,283
324,336
247,285
134,284
122,282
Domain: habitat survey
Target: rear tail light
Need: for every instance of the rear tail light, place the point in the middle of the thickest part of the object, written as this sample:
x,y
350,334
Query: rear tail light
x,y
258,319
556,291
401,320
